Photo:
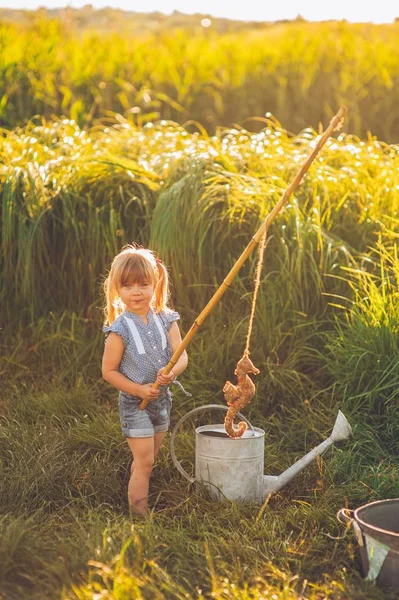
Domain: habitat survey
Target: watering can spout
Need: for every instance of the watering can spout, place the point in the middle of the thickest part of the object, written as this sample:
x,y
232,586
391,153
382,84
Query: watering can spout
x,y
341,431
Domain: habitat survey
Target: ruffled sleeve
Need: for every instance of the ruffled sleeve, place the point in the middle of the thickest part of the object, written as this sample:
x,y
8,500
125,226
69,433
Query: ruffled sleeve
x,y
169,317
119,328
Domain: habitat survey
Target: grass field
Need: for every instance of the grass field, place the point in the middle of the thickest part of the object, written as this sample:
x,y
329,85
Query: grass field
x,y
325,338
300,72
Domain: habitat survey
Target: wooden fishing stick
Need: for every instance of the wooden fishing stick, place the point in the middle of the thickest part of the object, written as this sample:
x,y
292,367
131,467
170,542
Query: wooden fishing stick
x,y
335,123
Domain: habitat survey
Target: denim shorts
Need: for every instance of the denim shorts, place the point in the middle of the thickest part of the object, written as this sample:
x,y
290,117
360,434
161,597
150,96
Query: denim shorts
x,y
155,418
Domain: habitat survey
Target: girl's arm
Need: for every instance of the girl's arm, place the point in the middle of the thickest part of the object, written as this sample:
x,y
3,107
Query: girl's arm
x,y
112,357
175,339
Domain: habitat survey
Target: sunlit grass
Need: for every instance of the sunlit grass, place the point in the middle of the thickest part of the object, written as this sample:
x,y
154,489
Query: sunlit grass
x,y
75,197
362,356
298,71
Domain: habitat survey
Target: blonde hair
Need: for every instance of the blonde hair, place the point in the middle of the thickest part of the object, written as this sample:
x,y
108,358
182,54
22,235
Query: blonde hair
x,y
135,265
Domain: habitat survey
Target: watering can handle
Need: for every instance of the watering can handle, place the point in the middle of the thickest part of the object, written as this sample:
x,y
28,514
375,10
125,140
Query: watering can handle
x,y
176,462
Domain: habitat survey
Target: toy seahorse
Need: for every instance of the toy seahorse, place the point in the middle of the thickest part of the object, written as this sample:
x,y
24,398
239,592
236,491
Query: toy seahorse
x,y
238,396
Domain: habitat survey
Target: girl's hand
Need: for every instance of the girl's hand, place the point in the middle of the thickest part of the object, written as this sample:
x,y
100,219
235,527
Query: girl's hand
x,y
165,379
147,392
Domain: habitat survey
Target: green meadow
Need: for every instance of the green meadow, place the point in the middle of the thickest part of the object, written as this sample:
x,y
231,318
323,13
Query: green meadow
x,y
325,338
87,64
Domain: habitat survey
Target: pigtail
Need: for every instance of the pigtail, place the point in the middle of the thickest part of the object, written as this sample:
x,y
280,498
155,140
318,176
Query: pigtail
x,y
162,288
109,309
112,307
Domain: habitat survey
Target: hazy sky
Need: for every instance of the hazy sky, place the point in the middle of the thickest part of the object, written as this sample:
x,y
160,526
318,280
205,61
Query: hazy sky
x,y
380,11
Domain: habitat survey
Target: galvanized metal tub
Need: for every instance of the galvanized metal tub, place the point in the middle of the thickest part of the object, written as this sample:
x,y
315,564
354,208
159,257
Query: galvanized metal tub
x,y
376,526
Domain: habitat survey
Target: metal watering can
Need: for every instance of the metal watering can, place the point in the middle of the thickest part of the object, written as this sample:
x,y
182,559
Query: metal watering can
x,y
232,469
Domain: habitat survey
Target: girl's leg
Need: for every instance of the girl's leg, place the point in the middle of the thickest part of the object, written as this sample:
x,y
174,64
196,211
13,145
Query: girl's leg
x,y
143,455
158,439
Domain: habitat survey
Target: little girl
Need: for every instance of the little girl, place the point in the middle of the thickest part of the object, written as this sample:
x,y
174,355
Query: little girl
x,y
141,336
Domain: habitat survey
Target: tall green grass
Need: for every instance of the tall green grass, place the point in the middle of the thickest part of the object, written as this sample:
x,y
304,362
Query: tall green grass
x,y
298,71
362,350
71,197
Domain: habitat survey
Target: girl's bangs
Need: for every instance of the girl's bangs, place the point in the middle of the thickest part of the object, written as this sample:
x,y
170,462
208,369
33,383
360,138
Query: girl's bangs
x,y
137,270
